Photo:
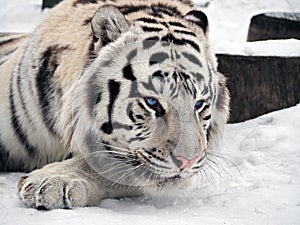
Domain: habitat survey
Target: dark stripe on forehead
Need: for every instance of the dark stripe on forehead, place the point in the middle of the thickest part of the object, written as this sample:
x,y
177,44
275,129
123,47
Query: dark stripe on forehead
x,y
188,84
159,57
149,86
169,38
149,42
192,58
198,76
205,91
166,9
151,29
127,9
177,24
114,90
185,32
152,21
154,9
148,20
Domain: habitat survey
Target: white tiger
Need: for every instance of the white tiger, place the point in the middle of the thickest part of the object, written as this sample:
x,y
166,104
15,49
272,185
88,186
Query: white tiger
x,y
125,94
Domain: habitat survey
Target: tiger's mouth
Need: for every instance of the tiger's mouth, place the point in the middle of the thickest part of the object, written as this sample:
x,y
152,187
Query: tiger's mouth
x,y
169,180
156,178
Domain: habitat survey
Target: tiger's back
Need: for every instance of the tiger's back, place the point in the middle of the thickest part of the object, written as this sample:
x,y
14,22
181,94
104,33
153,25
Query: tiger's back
x,y
38,75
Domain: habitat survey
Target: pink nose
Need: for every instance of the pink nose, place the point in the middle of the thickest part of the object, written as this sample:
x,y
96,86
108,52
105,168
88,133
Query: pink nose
x,y
183,162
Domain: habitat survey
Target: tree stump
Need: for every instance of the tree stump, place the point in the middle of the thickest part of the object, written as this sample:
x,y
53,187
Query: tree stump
x,y
276,25
260,84
49,3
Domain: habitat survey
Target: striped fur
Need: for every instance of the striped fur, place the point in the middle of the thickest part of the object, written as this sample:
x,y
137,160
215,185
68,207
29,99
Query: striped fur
x,y
101,76
9,44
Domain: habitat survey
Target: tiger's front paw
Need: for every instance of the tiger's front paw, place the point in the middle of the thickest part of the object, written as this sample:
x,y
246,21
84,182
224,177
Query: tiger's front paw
x,y
42,191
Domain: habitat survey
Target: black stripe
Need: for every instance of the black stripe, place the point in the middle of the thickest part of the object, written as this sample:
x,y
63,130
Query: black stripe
x,y
159,110
153,163
193,44
21,97
192,58
207,117
155,156
149,42
136,139
140,117
159,57
166,9
151,29
20,133
132,55
4,58
204,108
4,155
128,9
131,117
177,24
128,73
148,20
185,32
200,19
156,9
144,108
83,2
47,87
152,21
114,90
117,125
169,38
158,74
9,40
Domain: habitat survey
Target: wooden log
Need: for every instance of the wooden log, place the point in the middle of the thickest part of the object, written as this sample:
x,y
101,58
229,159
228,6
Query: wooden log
x,y
49,3
259,85
276,25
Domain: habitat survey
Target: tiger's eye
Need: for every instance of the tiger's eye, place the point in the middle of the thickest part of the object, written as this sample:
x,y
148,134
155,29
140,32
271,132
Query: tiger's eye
x,y
199,104
151,101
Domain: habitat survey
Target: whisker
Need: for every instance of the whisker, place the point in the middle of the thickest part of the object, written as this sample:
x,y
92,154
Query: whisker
x,y
229,163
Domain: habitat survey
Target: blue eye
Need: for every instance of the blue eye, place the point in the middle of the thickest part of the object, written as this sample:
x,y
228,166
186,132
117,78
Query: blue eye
x,y
199,104
151,101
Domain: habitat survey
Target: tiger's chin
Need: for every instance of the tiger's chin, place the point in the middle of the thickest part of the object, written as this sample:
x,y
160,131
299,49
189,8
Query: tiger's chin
x,y
168,186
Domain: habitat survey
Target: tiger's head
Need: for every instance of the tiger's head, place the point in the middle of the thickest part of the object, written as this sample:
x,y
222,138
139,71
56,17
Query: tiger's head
x,y
151,104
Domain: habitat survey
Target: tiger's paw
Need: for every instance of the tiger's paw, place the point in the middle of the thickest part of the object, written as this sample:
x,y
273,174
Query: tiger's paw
x,y
42,191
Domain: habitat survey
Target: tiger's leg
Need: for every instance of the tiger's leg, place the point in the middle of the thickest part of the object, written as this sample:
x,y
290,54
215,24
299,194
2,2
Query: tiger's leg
x,y
67,184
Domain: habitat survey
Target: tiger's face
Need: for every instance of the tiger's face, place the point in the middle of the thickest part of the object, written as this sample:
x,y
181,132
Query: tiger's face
x,y
155,104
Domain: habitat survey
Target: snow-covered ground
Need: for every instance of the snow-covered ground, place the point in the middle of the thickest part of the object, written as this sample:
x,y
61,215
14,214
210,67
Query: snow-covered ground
x,y
260,158
260,186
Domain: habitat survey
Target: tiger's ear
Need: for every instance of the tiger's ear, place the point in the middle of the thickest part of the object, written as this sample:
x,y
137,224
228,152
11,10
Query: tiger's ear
x,y
199,18
108,24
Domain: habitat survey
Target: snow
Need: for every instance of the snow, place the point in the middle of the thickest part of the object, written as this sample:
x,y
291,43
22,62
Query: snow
x,y
260,186
284,48
230,20
19,15
257,180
